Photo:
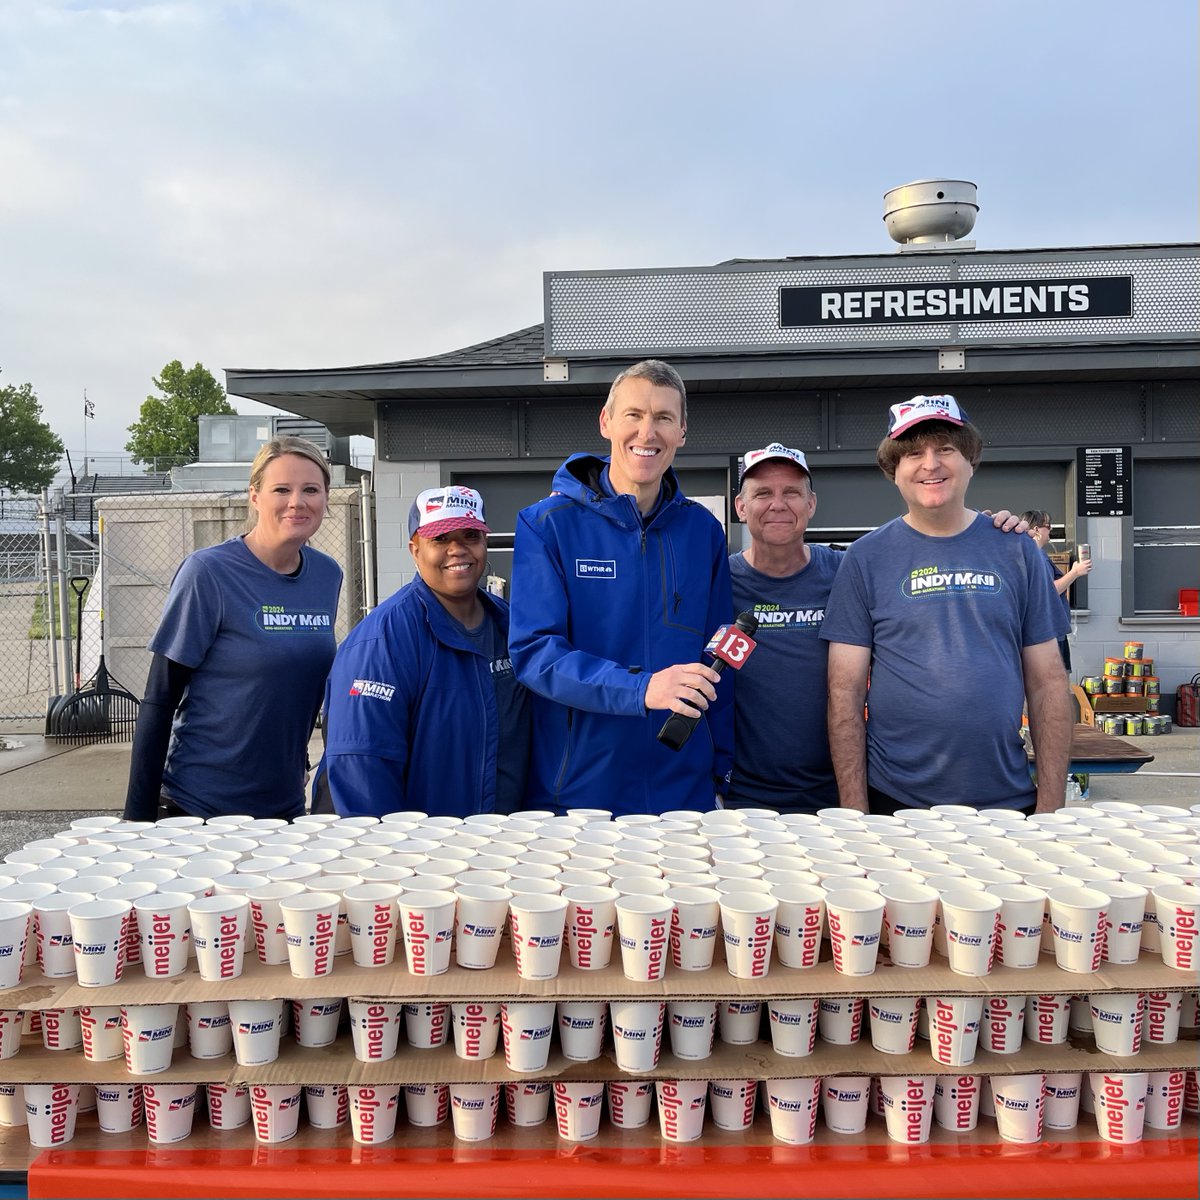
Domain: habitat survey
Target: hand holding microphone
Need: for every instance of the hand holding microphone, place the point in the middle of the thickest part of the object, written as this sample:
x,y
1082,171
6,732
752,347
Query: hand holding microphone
x,y
730,646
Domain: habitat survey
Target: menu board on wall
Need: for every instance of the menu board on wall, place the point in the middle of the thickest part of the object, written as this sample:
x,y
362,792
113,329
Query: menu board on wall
x,y
1105,481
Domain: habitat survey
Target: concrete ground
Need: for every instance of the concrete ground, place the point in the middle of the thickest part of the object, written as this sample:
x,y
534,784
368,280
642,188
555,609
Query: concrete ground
x,y
43,787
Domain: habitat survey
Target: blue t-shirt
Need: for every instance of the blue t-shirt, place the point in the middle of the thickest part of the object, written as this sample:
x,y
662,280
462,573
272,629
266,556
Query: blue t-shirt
x,y
946,619
781,746
260,645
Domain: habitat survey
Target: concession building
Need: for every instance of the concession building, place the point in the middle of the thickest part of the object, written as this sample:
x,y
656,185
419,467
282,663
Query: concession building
x,y
1080,365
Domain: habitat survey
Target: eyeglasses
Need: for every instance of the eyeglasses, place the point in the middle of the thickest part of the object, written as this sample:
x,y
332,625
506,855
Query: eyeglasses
x,y
1045,527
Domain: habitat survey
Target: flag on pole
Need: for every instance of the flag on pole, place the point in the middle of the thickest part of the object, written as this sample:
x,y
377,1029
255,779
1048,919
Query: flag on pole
x,y
89,408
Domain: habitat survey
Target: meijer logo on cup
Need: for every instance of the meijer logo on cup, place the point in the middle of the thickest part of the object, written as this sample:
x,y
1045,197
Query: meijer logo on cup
x,y
374,1024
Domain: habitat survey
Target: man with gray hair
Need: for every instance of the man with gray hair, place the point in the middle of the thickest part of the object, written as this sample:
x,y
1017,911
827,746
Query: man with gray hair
x,y
618,581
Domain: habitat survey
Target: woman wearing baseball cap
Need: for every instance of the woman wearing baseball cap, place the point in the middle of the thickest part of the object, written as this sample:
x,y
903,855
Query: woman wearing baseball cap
x,y
422,710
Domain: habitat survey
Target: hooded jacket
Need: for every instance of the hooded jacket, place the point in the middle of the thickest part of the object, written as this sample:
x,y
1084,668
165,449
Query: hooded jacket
x,y
599,603
410,712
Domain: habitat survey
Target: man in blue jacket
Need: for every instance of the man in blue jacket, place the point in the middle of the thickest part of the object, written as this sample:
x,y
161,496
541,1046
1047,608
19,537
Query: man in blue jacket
x,y
618,582
422,710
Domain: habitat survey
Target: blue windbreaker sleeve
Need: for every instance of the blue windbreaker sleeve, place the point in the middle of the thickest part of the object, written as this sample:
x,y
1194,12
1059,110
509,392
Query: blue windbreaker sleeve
x,y
543,657
720,612
364,785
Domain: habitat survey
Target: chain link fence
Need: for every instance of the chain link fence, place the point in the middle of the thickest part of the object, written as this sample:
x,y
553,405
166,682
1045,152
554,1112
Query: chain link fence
x,y
105,588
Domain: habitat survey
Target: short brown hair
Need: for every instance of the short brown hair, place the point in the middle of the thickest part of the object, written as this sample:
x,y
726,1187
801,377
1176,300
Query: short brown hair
x,y
966,439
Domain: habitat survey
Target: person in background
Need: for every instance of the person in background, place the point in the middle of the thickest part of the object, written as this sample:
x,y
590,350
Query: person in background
x,y
240,657
618,582
954,625
1039,529
422,709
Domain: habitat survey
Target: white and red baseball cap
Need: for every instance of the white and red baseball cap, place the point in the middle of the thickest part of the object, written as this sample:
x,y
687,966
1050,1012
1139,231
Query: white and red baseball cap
x,y
776,450
903,416
444,509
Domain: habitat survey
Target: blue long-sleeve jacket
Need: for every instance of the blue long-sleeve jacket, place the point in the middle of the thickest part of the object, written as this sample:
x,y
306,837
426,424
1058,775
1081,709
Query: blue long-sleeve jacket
x,y
410,713
599,604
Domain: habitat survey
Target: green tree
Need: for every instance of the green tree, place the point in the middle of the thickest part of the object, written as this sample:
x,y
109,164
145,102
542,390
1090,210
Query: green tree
x,y
30,450
168,425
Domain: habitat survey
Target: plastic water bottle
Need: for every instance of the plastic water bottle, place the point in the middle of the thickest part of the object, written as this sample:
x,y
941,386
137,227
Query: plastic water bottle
x,y
1073,796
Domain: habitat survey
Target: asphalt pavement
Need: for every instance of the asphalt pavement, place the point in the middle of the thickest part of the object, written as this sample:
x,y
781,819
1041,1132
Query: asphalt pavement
x,y
44,786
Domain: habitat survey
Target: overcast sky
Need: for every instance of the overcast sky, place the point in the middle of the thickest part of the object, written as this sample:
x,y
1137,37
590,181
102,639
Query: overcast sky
x,y
307,183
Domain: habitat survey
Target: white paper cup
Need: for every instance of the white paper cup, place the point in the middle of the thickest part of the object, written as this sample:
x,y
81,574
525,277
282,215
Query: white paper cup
x,y
373,1112
590,924
1020,1106
148,1033
644,930
98,933
637,1033
479,922
12,1021
1022,917
578,1107
536,925
792,1105
170,1110
956,1101
799,921
427,921
970,920
1078,918
51,1110
52,926
1002,1026
1117,1022
219,925
581,1028
1165,1094
1120,1105
210,1030
266,919
256,1031
748,925
372,913
693,934
907,1107
527,1102
1123,930
12,1105
954,1023
327,1105
119,1107
844,1102
793,1026
738,1021
427,1104
527,1027
1062,1100
1177,909
375,1029
101,1030
909,915
855,918
61,1029
893,1022
310,921
732,1103
474,1108
1161,1021
164,933
629,1103
476,1025
275,1109
315,1020
426,1024
840,1018
1047,1019
692,1028
681,1107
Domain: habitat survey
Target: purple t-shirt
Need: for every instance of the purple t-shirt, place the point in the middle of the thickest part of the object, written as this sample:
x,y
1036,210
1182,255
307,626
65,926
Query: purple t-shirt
x,y
946,619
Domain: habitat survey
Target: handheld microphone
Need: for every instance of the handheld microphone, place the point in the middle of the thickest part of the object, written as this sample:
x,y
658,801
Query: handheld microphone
x,y
730,646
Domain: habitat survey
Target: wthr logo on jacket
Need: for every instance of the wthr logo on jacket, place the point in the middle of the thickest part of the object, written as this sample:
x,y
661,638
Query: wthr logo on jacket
x,y
372,689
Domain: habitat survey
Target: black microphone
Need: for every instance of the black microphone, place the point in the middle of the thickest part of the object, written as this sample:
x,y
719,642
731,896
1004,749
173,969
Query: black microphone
x,y
730,646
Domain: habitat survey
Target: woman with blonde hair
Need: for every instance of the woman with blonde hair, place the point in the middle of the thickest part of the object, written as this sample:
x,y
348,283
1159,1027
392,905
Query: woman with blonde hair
x,y
240,657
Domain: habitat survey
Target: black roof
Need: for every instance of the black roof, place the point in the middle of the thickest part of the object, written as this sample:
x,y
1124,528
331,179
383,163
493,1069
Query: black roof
x,y
521,348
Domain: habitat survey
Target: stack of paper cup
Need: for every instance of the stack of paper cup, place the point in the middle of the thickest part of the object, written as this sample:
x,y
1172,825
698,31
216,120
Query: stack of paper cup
x,y
748,923
792,1105
148,1032
956,1101
855,918
637,1033
375,1029
590,921
693,926
119,1107
256,1030
910,909
581,1026
427,1104
170,1110
310,921
373,1112
692,1026
1120,1105
894,1023
1020,1106
527,1026
839,1019
427,921
681,1108
1062,1100
210,1032
1165,1092
1047,1019
1117,1022
644,928
527,1103
577,1109
276,1111
536,924
908,1107
228,1105
101,1030
427,1024
476,1029
474,1108
481,913
219,925
629,1103
844,1103
970,919
98,934
164,931
1078,918
954,1028
51,1110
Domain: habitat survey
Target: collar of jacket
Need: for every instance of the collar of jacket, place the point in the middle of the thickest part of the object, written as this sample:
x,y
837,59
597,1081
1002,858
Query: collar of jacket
x,y
579,478
445,628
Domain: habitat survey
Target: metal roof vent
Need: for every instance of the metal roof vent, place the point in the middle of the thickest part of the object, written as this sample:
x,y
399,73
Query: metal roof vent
x,y
931,214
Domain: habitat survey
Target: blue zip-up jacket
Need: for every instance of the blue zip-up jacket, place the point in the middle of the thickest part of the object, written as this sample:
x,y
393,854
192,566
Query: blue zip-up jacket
x,y
410,713
599,604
